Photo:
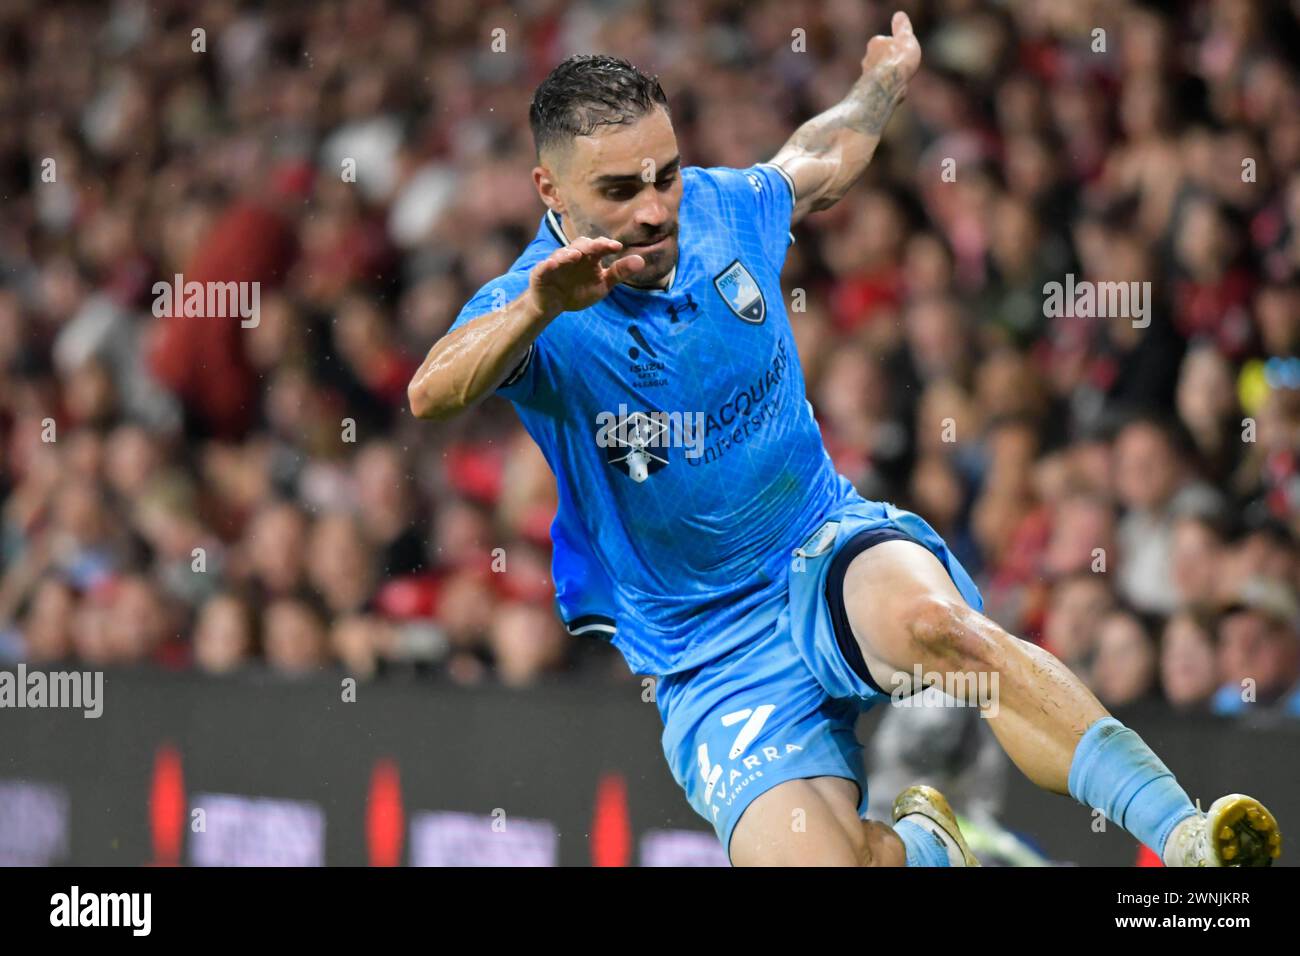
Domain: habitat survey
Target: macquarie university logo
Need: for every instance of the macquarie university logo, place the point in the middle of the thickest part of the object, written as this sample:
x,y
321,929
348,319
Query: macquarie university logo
x,y
741,293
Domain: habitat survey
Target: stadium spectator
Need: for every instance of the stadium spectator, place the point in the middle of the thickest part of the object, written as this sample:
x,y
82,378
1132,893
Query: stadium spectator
x,y
294,636
1124,670
340,564
1078,604
526,641
1188,661
224,634
1259,651
1195,554
1154,485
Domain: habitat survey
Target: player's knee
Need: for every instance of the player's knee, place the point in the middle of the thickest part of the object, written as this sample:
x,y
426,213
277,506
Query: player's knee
x,y
948,634
870,843
883,847
858,848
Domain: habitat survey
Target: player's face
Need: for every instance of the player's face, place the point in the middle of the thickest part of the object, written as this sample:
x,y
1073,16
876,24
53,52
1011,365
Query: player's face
x,y
623,182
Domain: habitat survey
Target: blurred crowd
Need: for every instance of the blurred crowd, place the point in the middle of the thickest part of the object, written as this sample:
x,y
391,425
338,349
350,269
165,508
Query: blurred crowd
x,y
190,493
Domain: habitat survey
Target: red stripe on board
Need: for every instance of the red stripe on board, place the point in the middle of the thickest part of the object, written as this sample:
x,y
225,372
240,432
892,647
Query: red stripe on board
x,y
385,823
611,830
167,806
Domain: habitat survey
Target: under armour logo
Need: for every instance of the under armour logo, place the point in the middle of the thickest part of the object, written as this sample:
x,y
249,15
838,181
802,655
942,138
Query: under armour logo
x,y
673,310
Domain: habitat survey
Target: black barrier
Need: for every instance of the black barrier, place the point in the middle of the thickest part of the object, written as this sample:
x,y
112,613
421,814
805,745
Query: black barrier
x,y
181,768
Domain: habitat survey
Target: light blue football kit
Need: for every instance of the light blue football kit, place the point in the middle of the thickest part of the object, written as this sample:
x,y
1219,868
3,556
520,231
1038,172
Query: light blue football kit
x,y
699,513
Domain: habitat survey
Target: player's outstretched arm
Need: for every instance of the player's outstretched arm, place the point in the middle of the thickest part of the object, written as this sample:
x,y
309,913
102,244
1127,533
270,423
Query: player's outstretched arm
x,y
827,154
466,365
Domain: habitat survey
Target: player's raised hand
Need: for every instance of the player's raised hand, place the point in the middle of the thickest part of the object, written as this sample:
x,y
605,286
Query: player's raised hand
x,y
893,60
572,278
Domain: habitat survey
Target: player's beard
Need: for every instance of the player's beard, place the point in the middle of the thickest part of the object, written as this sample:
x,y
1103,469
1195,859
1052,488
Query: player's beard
x,y
658,263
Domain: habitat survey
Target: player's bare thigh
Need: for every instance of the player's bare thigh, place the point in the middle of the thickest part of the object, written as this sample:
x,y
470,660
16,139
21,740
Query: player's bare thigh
x,y
883,587
812,822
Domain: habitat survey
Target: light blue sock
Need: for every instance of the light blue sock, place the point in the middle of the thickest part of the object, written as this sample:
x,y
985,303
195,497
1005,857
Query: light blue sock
x,y
923,847
1115,772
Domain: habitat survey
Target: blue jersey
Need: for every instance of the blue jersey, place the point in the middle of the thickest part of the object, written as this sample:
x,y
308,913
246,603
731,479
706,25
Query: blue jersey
x,y
687,458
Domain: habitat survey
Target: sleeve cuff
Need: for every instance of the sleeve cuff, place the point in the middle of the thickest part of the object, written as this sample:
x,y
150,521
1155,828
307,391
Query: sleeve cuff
x,y
522,367
788,181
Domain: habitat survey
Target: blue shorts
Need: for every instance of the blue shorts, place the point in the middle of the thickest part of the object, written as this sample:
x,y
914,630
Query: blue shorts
x,y
783,705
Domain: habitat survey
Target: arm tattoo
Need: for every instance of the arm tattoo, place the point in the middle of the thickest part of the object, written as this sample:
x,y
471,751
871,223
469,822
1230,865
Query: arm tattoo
x,y
865,110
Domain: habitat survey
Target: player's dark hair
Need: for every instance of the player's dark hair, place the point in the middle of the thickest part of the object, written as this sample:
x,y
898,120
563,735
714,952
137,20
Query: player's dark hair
x,y
587,91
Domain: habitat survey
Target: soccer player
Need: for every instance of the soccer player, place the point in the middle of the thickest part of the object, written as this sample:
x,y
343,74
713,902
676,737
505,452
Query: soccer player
x,y
701,526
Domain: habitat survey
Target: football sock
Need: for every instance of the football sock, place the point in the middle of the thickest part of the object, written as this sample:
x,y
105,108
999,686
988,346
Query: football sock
x,y
1114,771
924,840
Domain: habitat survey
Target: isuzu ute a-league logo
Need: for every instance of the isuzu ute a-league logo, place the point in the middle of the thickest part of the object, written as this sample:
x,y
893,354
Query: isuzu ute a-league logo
x,y
741,293
649,369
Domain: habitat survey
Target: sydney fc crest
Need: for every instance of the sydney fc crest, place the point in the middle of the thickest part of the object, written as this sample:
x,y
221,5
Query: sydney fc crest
x,y
741,293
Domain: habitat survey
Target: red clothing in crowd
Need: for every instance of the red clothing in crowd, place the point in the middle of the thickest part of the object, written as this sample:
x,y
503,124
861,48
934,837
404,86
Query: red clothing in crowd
x,y
202,359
